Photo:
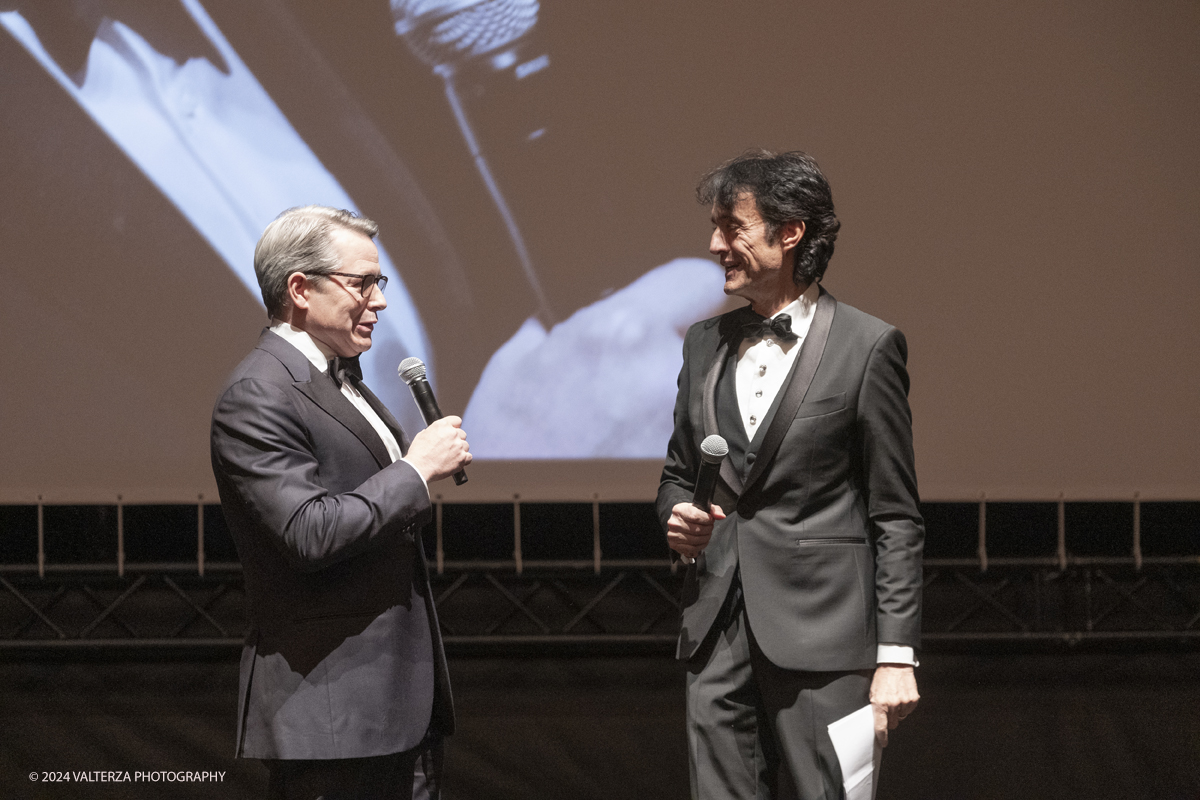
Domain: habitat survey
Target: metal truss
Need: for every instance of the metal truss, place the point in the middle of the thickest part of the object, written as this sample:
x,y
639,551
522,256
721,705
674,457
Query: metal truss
x,y
1070,602
629,604
156,605
622,605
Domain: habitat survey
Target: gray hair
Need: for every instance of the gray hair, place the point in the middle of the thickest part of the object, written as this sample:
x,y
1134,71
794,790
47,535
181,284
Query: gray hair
x,y
299,240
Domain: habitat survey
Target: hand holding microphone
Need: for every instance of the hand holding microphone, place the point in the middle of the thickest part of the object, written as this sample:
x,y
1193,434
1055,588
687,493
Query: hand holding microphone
x,y
691,524
440,449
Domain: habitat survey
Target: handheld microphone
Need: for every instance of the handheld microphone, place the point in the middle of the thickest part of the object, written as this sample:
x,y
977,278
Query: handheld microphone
x,y
712,452
412,371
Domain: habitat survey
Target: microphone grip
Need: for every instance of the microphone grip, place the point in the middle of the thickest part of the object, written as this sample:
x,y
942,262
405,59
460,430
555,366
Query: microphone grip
x,y
706,485
423,394
702,495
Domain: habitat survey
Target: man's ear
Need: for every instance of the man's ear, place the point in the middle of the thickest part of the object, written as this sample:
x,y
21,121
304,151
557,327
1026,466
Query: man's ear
x,y
298,288
790,233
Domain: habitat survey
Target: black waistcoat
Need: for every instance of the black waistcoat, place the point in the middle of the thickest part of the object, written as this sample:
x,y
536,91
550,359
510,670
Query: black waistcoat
x,y
742,449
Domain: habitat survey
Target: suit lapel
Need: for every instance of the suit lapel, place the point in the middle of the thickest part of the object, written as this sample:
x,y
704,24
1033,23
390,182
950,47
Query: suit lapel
x,y
711,378
385,415
730,327
803,371
319,387
322,391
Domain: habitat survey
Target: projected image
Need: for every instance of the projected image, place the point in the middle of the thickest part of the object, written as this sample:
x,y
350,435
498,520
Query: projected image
x,y
447,33
230,137
210,138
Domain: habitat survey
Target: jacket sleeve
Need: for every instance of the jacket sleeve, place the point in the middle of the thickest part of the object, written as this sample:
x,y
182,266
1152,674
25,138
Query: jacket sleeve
x,y
263,457
679,472
893,505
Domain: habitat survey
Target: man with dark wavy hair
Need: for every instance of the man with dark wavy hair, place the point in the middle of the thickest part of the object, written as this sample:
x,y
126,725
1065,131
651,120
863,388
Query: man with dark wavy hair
x,y
802,598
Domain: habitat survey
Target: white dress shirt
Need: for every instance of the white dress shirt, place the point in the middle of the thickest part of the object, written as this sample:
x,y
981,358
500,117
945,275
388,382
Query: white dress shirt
x,y
319,355
762,365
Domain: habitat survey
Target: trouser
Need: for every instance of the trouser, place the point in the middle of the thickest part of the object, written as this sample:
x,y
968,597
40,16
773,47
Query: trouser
x,y
412,775
757,731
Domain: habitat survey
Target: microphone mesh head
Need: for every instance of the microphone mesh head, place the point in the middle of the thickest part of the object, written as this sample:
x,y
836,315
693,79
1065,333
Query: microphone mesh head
x,y
412,369
714,449
449,31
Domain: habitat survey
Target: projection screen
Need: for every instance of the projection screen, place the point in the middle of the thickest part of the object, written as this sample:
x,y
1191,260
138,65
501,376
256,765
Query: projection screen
x,y
1019,187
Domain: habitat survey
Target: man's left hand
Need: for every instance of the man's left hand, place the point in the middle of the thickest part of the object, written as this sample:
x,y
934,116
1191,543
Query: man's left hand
x,y
893,696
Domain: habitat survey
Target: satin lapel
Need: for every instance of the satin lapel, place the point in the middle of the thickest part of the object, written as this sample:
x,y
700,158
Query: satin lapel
x,y
710,388
711,378
386,416
321,390
807,362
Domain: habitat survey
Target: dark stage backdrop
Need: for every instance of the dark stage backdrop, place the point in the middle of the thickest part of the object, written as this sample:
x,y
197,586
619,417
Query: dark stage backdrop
x,y
1019,186
999,727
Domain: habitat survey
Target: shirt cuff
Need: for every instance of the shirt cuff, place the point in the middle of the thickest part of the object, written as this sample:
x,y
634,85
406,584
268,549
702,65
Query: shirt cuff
x,y
895,654
426,485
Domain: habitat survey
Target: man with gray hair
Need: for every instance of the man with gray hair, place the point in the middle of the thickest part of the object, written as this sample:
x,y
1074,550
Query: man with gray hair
x,y
344,690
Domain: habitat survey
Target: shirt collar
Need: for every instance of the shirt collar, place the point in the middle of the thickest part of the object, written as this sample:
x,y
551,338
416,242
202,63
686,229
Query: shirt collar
x,y
802,307
313,350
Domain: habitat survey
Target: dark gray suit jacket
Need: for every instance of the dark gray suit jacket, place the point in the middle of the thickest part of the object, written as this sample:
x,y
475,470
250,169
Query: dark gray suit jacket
x,y
343,658
823,523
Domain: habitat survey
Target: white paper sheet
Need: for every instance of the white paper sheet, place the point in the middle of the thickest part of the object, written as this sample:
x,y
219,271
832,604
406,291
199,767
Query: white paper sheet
x,y
858,752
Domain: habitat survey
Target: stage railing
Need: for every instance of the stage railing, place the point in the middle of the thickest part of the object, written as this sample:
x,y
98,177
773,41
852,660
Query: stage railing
x,y
1059,596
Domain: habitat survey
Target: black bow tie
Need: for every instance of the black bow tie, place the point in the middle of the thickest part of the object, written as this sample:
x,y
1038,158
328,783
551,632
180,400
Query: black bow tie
x,y
341,368
780,327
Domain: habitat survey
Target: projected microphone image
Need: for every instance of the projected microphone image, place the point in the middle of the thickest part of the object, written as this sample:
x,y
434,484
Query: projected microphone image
x,y
448,34
226,115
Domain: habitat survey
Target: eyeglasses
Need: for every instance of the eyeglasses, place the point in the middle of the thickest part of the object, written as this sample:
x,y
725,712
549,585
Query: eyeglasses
x,y
365,281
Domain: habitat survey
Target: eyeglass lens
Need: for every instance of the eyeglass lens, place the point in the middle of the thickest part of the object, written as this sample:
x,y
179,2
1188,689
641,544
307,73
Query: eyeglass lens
x,y
373,280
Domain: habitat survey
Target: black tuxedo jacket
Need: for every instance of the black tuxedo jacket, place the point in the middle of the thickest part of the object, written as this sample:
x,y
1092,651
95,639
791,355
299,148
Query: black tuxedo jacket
x,y
343,658
823,525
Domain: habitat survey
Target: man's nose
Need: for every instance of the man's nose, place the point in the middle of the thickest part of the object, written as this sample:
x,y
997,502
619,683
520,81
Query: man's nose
x,y
716,244
375,300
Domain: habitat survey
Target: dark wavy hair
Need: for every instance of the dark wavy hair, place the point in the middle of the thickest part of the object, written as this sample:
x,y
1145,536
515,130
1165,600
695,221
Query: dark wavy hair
x,y
786,187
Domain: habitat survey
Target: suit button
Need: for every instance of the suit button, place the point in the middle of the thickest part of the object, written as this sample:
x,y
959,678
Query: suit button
x,y
750,458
